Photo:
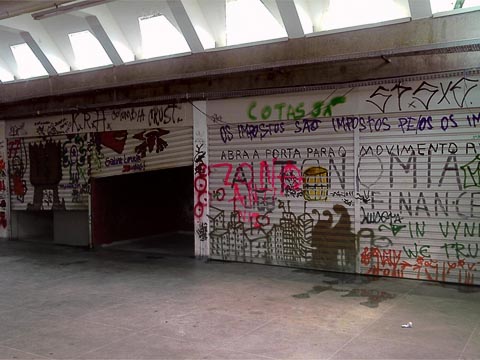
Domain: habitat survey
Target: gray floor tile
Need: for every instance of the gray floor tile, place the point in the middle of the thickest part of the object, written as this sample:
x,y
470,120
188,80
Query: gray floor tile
x,y
234,355
71,305
449,323
19,322
472,348
66,340
364,347
150,346
211,327
283,340
139,315
7,353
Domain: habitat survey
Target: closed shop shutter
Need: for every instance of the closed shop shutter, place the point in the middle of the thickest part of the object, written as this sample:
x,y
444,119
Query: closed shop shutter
x,y
279,192
421,180
51,159
49,173
387,185
128,151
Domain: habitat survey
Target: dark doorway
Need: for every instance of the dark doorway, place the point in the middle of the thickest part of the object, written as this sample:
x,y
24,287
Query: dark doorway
x,y
151,211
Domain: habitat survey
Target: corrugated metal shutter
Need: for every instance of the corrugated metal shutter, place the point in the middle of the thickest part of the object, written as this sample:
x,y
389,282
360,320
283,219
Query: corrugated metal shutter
x,y
128,151
48,174
52,158
282,191
414,152
60,178
421,217
92,121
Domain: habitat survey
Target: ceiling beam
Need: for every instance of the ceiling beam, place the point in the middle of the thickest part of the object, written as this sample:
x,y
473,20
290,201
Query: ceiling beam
x,y
32,44
24,7
186,26
290,18
57,10
420,9
104,39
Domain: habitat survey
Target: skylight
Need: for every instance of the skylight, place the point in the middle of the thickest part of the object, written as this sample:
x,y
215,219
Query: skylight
x,y
88,51
447,5
208,42
249,21
125,53
28,65
304,16
347,13
5,75
160,37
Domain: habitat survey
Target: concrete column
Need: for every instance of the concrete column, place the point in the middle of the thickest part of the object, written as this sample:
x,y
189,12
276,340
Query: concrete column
x,y
200,180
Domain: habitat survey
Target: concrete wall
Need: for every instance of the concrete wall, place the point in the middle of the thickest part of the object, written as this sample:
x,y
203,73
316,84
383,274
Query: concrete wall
x,y
70,228
32,225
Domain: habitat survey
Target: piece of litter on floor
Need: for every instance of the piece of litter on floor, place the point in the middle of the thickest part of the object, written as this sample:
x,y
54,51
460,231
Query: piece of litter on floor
x,y
407,325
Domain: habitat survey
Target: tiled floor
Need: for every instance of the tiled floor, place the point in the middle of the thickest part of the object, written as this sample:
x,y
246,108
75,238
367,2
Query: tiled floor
x,y
65,303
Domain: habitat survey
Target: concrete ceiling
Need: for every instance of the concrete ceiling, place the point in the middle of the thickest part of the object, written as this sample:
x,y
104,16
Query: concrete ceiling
x,y
44,26
19,7
417,42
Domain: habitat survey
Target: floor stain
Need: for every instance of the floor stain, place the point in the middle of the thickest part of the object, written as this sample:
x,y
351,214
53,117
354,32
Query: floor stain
x,y
316,290
301,296
340,279
73,262
374,296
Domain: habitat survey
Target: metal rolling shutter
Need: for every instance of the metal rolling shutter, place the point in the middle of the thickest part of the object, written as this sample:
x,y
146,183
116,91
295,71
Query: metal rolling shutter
x,y
142,150
421,219
59,177
280,192
76,154
92,143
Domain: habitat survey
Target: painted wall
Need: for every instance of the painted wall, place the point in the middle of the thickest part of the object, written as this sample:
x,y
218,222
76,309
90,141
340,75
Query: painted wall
x,y
380,180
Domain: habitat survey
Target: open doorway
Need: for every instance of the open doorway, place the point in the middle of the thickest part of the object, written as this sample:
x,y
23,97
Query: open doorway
x,y
150,211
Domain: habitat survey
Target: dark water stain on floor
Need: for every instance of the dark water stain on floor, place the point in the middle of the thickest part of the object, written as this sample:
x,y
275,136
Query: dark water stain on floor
x,y
341,279
374,296
316,290
73,262
301,296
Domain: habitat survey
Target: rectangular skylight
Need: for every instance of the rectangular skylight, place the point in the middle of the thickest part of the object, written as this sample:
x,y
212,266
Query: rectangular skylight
x,y
449,5
88,51
28,65
160,37
5,75
304,16
348,13
250,21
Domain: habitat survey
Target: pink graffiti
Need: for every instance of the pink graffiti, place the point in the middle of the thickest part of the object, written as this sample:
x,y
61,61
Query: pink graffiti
x,y
255,187
200,182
